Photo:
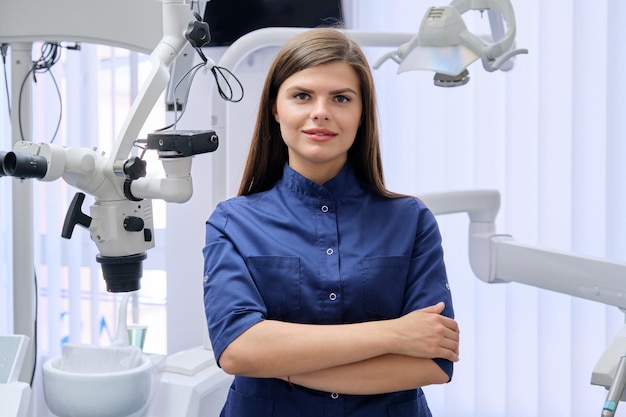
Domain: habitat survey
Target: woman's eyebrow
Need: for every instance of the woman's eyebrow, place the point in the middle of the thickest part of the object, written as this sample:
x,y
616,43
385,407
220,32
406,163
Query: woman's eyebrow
x,y
344,90
298,88
307,90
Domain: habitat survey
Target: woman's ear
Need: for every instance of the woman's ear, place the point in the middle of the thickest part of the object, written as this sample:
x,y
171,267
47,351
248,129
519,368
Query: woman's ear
x,y
275,112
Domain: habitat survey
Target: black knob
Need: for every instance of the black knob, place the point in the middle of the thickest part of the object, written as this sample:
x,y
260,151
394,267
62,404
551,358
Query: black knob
x,y
133,224
198,33
135,168
75,216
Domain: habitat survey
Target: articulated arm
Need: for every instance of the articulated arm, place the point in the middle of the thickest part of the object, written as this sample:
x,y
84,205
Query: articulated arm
x,y
498,258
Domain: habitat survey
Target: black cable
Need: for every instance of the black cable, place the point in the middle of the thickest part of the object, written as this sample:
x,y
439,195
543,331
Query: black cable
x,y
3,50
195,6
217,72
192,73
35,347
50,55
220,70
19,103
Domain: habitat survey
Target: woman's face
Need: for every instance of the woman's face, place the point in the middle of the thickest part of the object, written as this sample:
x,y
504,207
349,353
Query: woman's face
x,y
319,112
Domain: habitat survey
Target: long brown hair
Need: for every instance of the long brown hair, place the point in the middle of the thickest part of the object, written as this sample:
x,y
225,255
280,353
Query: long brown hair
x,y
268,153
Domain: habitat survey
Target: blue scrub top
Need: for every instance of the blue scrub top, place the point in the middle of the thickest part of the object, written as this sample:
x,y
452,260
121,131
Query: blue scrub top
x,y
319,254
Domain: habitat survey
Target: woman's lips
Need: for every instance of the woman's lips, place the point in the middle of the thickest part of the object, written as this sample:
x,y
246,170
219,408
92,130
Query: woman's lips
x,y
319,134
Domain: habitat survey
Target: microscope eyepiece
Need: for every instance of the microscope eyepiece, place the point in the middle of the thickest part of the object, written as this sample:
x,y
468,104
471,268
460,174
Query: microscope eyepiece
x,y
122,273
24,165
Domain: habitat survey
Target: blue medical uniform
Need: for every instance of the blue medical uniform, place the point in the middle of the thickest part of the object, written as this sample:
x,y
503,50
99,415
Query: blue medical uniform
x,y
322,254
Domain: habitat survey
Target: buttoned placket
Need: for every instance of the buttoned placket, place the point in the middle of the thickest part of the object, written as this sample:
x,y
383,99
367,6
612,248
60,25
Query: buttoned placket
x,y
332,285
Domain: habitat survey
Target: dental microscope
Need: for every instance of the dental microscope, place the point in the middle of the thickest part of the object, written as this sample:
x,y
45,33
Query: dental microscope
x,y
120,220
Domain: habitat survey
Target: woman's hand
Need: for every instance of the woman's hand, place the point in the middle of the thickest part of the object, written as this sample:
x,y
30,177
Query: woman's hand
x,y
426,333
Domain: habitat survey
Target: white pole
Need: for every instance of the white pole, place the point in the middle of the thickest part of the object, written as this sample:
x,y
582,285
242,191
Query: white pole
x,y
23,230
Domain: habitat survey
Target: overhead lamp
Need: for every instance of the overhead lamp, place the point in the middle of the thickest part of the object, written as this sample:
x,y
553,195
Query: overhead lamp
x,y
444,45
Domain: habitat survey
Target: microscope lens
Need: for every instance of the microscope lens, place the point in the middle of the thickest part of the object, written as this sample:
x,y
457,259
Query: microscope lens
x,y
24,165
122,273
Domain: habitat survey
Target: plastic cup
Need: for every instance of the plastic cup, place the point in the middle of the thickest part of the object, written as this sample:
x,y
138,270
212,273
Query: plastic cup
x,y
137,335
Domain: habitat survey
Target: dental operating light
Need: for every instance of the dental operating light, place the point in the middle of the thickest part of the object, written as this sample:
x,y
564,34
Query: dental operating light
x,y
445,45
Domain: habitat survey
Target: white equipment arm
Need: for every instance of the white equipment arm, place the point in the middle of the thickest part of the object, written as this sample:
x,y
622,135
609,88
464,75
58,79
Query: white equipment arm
x,y
176,18
498,258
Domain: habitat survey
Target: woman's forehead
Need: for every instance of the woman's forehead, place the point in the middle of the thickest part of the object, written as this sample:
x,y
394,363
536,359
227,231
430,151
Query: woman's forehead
x,y
335,75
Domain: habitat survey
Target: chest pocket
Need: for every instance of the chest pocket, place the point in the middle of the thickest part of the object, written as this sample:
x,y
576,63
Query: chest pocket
x,y
278,280
384,279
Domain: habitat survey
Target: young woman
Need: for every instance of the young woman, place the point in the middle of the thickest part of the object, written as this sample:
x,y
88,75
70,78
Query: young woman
x,y
325,293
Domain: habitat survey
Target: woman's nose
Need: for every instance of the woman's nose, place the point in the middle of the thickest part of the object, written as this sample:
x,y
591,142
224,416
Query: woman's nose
x,y
320,110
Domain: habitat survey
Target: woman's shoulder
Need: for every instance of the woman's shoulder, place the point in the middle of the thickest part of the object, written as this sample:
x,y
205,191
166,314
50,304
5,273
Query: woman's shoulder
x,y
231,208
240,202
405,201
246,204
406,206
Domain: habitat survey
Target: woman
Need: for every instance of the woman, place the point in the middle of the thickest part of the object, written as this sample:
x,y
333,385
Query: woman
x,y
325,293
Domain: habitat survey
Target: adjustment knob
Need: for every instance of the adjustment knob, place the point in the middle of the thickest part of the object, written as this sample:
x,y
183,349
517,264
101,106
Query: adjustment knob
x,y
133,224
135,168
75,216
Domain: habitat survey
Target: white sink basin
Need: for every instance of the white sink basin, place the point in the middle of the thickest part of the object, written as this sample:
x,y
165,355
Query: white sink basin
x,y
114,394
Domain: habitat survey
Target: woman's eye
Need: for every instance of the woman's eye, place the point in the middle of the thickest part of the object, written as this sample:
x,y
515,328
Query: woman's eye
x,y
301,96
342,99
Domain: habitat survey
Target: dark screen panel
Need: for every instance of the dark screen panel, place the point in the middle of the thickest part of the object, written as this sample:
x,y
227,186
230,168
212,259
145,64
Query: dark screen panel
x,y
230,19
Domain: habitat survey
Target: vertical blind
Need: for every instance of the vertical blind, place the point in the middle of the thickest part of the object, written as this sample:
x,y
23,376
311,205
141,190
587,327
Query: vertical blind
x,y
549,135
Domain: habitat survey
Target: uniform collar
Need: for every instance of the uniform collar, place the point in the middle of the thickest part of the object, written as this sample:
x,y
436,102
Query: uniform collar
x,y
341,185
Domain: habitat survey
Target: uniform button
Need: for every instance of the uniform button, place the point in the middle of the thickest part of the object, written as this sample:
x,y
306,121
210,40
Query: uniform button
x,y
205,279
332,296
329,251
325,208
334,395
